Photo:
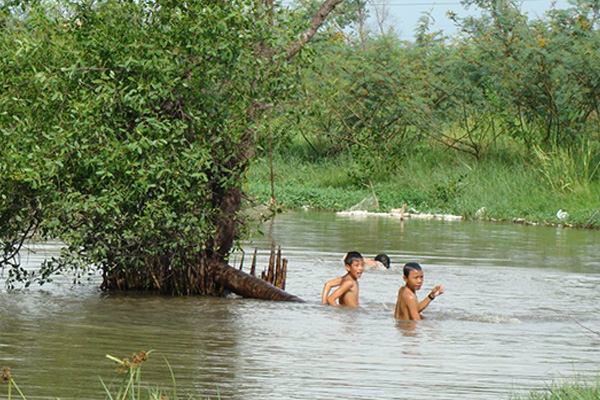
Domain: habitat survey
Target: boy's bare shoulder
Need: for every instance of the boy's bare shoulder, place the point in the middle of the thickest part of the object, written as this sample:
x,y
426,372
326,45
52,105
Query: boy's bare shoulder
x,y
347,281
408,294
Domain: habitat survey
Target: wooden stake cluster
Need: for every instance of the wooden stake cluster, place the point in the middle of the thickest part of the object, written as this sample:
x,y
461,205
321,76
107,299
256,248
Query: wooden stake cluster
x,y
275,273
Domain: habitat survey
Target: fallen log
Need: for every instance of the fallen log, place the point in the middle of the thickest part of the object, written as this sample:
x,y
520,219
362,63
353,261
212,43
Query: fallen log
x,y
246,285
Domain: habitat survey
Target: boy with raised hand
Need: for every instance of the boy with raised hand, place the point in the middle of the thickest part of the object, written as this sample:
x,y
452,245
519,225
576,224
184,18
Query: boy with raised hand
x,y
407,305
347,292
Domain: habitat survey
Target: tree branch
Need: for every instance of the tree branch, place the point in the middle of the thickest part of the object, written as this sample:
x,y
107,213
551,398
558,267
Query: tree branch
x,y
315,23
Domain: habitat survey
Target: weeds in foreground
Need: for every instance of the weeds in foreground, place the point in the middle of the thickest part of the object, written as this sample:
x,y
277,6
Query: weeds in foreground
x,y
7,377
565,391
131,386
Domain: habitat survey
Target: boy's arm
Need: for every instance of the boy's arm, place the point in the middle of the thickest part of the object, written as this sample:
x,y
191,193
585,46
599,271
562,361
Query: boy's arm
x,y
328,285
369,262
436,291
339,292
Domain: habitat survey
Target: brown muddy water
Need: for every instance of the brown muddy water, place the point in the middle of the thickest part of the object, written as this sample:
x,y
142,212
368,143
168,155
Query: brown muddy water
x,y
521,309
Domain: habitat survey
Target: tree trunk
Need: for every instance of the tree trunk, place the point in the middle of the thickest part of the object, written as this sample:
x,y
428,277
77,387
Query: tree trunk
x,y
246,285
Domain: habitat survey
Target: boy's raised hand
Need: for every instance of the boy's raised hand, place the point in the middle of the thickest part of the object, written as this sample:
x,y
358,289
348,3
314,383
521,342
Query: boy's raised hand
x,y
437,290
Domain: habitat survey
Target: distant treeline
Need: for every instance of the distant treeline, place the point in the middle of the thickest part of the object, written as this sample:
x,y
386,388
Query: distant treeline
x,y
503,83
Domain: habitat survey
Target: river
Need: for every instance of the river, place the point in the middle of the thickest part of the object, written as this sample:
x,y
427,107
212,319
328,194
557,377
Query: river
x,y
521,309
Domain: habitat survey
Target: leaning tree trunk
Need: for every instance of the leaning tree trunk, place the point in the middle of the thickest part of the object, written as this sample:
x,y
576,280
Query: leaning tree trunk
x,y
225,277
246,285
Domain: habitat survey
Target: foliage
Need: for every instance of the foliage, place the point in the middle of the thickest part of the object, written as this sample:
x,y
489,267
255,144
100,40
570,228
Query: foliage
x,y
126,128
345,105
505,84
504,77
112,153
347,17
547,71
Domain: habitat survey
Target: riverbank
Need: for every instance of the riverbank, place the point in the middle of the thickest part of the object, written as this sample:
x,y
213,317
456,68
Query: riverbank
x,y
494,190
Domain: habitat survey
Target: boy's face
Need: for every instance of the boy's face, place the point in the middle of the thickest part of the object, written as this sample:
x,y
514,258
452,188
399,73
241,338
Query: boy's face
x,y
414,281
356,269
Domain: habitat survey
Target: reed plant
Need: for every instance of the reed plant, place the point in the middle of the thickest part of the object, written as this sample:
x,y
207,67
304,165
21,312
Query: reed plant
x,y
569,169
6,376
130,387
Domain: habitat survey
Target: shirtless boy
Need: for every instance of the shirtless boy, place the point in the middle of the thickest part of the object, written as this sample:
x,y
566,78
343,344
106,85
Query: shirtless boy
x,y
407,305
347,292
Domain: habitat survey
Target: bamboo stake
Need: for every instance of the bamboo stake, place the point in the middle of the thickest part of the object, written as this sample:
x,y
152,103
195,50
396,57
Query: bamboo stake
x,y
277,277
280,279
242,261
271,264
283,273
253,266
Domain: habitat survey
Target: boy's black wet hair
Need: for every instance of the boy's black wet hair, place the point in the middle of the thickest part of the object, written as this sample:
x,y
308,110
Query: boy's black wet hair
x,y
384,259
351,256
411,266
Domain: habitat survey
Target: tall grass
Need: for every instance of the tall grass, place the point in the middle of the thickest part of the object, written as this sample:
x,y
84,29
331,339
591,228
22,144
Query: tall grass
x,y
435,181
569,169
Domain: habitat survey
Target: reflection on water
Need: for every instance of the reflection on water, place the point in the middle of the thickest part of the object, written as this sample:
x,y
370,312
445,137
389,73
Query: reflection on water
x,y
520,308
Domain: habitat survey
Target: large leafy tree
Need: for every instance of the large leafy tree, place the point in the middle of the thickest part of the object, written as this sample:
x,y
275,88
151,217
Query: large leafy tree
x,y
126,129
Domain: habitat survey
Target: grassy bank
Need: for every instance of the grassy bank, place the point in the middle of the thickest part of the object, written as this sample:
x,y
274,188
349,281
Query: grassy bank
x,y
500,187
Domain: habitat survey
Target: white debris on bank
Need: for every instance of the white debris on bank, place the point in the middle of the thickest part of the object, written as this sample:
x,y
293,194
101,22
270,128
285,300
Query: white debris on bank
x,y
397,213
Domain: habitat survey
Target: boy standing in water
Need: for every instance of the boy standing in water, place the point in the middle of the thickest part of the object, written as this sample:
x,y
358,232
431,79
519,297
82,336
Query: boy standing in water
x,y
347,292
407,305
